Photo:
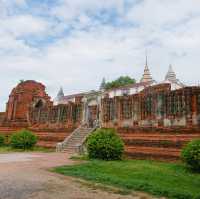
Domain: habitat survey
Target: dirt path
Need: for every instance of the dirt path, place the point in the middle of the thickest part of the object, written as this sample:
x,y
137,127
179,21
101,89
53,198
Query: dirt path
x,y
26,176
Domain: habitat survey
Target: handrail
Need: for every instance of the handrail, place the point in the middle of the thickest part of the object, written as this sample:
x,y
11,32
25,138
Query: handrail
x,y
85,138
67,138
60,145
81,145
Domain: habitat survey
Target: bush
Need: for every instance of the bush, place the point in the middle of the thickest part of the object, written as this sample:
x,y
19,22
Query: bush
x,y
105,144
2,140
191,155
23,139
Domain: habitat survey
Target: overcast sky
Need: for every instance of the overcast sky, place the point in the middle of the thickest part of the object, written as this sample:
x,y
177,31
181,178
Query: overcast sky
x,y
75,43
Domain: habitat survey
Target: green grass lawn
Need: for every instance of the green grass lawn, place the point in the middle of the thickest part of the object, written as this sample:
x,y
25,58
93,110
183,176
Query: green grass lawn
x,y
160,179
7,149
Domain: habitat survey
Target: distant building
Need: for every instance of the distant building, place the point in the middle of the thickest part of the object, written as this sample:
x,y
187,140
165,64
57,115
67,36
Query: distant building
x,y
131,89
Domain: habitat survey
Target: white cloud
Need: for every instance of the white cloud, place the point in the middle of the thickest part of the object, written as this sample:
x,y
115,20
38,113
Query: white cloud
x,y
163,12
23,25
68,9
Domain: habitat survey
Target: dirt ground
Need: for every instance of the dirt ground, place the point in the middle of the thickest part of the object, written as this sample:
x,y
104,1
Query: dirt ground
x,y
27,176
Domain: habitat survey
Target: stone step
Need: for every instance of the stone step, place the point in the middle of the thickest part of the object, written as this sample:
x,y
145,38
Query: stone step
x,y
8,130
76,139
51,132
182,136
167,141
72,147
80,134
155,143
152,153
45,137
171,139
72,142
47,144
158,131
70,152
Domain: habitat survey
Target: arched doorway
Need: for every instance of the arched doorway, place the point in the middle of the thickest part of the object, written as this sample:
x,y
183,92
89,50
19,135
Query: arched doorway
x,y
39,104
91,110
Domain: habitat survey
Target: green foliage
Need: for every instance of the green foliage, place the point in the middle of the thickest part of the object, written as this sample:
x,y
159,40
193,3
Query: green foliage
x,y
2,140
121,81
191,155
161,179
105,144
23,139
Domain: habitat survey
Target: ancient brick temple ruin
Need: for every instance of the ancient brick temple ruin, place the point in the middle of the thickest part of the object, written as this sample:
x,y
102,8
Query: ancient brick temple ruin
x,y
155,120
26,94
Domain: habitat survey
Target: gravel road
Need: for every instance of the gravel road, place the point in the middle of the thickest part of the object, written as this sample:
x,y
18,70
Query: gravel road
x,y
26,176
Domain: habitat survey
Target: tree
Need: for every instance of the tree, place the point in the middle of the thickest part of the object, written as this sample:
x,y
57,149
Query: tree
x,y
121,81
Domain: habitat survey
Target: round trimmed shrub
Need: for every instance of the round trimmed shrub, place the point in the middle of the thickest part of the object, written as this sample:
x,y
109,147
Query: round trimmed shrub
x,y
105,144
23,139
2,140
191,155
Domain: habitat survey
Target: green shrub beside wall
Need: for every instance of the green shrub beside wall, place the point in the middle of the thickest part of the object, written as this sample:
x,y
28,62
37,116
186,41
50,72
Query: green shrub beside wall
x,y
23,139
191,155
105,144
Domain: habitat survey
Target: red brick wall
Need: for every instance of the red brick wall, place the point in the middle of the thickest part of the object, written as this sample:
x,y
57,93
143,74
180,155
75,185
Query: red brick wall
x,y
24,95
156,106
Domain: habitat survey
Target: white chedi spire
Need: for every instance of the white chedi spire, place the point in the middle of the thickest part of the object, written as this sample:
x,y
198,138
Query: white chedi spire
x,y
59,96
171,75
60,93
147,75
172,79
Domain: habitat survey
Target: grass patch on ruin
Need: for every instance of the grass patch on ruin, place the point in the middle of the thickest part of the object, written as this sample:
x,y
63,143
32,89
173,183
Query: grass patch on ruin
x,y
9,149
157,178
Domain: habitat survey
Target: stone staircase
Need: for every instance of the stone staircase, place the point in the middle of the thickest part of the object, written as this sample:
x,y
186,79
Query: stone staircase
x,y
75,142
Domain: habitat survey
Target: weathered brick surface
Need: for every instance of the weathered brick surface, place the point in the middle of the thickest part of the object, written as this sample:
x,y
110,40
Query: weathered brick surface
x,y
25,95
2,116
156,122
156,144
47,137
25,98
156,106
